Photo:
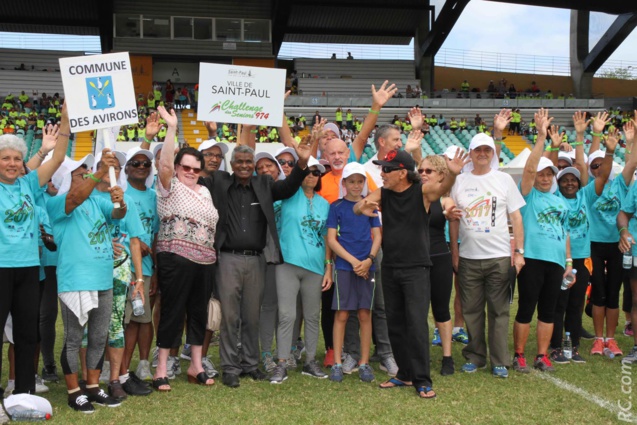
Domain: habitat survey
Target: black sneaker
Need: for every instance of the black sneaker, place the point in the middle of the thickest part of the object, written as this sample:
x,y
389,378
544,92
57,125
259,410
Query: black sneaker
x,y
81,404
447,366
103,399
586,335
133,388
49,374
558,357
137,380
255,374
576,357
116,391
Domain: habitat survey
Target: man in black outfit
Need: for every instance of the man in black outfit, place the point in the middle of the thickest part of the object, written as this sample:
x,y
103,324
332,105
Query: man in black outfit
x,y
404,202
245,241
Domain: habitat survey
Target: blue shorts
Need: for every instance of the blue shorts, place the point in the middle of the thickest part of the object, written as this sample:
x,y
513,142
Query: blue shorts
x,y
352,292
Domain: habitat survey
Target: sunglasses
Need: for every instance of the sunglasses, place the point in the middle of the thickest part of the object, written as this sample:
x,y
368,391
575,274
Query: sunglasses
x,y
284,162
212,155
136,164
190,169
387,169
425,170
596,166
316,173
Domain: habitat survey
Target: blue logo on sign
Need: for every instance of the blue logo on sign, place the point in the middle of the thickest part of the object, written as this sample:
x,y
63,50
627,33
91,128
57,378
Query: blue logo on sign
x,y
100,92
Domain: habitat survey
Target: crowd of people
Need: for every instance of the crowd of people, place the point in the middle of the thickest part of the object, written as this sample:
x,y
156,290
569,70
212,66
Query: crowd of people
x,y
293,240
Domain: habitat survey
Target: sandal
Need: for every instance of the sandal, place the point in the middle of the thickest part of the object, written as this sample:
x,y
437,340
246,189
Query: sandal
x,y
394,383
202,379
161,382
426,392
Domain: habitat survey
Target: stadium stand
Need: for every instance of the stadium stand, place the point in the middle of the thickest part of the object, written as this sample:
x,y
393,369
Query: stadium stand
x,y
41,72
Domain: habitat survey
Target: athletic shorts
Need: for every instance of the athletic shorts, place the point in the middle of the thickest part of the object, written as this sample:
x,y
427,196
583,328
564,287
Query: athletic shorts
x,y
352,292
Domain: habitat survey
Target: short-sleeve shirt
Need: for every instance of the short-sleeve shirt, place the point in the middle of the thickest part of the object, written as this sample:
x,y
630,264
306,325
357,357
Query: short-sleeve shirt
x,y
188,221
128,227
577,221
303,230
544,219
146,203
485,201
19,226
85,250
48,258
603,210
331,186
630,206
353,232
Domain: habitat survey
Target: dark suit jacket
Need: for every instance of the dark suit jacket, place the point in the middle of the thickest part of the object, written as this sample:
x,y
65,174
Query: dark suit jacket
x,y
267,191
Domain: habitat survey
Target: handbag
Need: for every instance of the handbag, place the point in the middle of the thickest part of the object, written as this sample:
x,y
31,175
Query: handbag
x,y
214,315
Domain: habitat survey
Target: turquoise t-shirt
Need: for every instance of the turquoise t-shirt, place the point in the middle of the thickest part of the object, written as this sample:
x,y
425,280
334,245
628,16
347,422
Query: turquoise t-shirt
x,y
544,218
47,258
85,250
146,203
602,211
303,230
577,221
128,227
19,226
630,206
43,218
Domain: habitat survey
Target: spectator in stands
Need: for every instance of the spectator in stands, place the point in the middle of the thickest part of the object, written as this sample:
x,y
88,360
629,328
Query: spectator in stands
x,y
316,119
409,92
349,55
333,56
548,95
534,87
477,120
465,87
339,117
491,88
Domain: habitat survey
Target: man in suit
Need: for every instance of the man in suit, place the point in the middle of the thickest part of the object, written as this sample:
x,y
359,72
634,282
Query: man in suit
x,y
246,240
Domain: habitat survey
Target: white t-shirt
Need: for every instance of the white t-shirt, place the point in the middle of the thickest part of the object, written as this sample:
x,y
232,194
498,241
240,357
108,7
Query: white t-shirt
x,y
373,170
485,201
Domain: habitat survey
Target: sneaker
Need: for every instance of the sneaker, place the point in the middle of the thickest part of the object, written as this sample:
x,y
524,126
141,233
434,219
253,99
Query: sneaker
x,y
50,374
132,387
174,364
291,361
375,358
461,336
586,334
39,385
268,362
9,389
576,357
598,347
116,390
628,329
519,364
350,364
4,417
279,375
105,375
185,352
500,372
365,373
611,344
143,371
469,367
389,365
631,357
447,366
155,357
82,384
313,369
300,346
543,364
336,373
558,357
436,341
133,376
170,367
296,353
82,404
329,358
209,367
103,399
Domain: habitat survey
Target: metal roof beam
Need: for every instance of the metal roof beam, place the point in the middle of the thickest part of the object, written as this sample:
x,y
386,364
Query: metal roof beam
x,y
614,7
281,10
610,41
351,31
28,20
447,18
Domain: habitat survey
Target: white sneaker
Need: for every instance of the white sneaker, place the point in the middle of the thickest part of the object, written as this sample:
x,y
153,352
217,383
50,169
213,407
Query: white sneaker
x,y
143,371
105,375
4,418
209,367
9,389
389,365
39,385
170,367
155,356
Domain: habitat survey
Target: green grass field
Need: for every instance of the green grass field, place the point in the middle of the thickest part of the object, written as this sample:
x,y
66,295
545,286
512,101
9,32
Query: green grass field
x,y
462,398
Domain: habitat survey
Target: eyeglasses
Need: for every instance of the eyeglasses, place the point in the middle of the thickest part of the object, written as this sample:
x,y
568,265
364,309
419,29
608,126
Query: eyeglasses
x,y
136,164
190,169
387,169
425,170
596,166
316,173
212,155
283,162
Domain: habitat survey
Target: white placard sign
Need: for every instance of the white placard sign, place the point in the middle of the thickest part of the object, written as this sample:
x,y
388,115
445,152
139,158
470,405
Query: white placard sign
x,y
241,94
99,91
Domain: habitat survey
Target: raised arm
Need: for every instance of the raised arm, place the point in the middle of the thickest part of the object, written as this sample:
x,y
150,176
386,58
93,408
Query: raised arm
x,y
530,168
500,122
152,128
166,161
379,98
285,135
631,161
581,124
413,145
49,140
247,137
46,170
369,204
556,141
454,165
599,123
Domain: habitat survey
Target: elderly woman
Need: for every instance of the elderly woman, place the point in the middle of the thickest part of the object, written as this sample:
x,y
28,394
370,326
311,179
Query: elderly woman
x,y
185,253
19,236
85,271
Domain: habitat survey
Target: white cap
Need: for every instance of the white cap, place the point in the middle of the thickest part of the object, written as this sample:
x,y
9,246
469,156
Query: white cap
x,y
450,152
546,163
599,154
157,148
121,158
289,150
330,126
139,151
313,162
349,170
478,140
569,170
62,177
565,156
211,144
268,155
130,155
21,402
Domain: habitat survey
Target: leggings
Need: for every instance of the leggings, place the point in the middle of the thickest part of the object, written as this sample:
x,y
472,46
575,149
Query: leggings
x,y
539,284
98,321
607,274
121,277
327,317
48,316
571,303
627,302
441,277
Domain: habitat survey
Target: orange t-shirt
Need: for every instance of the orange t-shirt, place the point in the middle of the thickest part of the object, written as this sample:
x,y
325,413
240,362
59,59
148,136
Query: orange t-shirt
x,y
331,184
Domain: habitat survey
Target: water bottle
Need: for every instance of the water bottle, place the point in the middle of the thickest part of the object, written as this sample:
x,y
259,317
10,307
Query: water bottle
x,y
567,346
27,415
608,353
568,279
627,261
136,301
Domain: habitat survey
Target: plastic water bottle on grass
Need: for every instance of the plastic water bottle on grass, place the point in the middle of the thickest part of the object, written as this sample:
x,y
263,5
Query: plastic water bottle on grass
x,y
567,346
608,353
27,415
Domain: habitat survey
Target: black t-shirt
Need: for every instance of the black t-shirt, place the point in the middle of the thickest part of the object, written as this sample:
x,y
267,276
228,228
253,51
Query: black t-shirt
x,y
405,228
437,222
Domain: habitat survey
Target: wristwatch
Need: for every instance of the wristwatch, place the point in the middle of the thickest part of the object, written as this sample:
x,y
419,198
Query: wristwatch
x,y
519,251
